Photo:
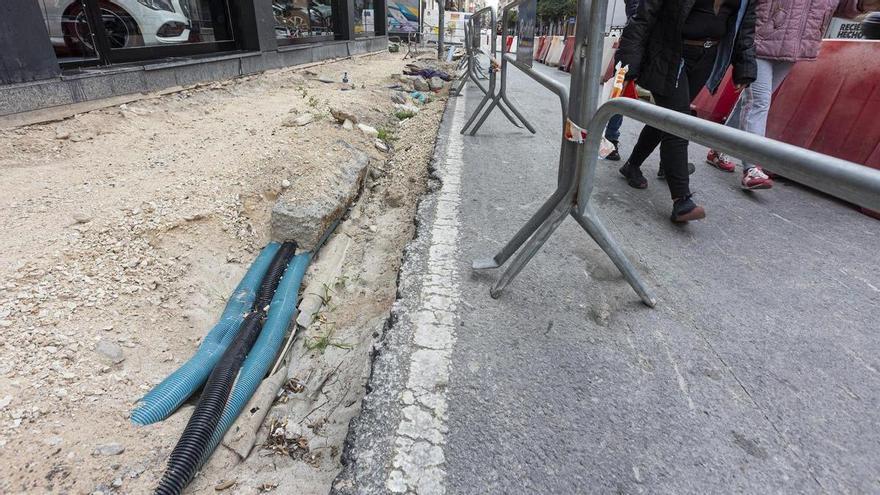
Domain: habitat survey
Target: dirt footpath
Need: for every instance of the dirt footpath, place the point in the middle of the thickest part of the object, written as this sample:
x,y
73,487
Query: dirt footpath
x,y
124,230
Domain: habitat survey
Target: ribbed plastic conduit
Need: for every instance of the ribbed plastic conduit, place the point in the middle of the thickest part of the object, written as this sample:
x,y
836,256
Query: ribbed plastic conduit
x,y
270,282
183,462
166,397
266,348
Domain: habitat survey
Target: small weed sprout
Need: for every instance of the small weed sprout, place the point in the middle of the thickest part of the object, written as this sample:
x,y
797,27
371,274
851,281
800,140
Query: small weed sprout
x,y
386,135
320,343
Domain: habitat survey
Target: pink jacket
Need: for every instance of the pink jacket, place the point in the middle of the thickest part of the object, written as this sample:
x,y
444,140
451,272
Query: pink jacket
x,y
792,30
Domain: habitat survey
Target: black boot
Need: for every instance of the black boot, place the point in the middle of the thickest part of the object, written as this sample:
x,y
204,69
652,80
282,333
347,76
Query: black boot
x,y
633,176
614,156
684,210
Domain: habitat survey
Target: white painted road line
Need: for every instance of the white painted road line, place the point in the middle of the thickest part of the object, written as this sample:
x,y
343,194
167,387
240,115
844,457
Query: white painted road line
x,y
419,461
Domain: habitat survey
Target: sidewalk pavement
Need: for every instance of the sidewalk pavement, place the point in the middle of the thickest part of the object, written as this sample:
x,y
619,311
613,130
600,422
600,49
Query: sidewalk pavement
x,y
758,372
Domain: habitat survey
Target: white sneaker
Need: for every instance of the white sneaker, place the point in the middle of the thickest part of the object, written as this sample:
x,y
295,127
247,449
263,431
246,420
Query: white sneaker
x,y
755,178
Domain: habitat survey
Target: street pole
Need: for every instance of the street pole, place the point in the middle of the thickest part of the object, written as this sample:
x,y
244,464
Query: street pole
x,y
442,11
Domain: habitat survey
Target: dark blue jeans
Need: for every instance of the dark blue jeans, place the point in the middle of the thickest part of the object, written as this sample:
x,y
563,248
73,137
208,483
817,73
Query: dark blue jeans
x,y
612,131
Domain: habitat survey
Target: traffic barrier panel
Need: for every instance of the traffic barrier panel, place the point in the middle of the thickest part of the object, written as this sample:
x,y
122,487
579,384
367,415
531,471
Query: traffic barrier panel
x,y
508,43
548,57
831,105
567,55
538,44
548,42
555,51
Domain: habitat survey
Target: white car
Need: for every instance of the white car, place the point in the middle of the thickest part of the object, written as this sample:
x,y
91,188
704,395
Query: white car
x,y
128,23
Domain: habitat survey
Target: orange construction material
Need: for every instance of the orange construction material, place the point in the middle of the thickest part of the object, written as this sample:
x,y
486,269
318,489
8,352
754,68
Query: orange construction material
x,y
545,47
555,52
567,55
539,45
832,105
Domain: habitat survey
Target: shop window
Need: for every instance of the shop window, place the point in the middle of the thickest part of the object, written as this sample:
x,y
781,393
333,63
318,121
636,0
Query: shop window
x,y
303,20
125,30
363,18
69,30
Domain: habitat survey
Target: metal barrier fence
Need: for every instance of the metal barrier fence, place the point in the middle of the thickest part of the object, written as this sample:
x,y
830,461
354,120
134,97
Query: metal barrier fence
x,y
491,98
578,161
471,66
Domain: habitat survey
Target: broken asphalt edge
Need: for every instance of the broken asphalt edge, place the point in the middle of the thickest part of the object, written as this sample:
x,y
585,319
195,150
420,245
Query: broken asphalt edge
x,y
369,446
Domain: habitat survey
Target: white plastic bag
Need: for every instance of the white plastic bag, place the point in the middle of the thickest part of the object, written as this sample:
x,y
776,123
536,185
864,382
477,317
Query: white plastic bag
x,y
611,89
608,50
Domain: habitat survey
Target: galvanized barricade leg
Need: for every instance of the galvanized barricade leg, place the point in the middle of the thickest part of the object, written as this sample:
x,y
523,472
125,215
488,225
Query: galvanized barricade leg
x,y
489,94
470,75
481,73
561,210
501,98
503,91
465,64
583,98
591,223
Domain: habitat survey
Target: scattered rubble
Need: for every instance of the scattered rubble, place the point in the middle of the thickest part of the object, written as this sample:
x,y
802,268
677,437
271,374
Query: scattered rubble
x,y
420,84
109,449
178,191
299,120
368,131
436,84
110,351
341,116
224,485
81,218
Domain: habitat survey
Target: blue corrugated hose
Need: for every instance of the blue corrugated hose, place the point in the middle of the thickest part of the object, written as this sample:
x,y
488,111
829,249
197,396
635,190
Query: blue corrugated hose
x,y
166,397
265,350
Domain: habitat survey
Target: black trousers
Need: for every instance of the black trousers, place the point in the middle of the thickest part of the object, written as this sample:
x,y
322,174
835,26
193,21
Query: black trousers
x,y
698,62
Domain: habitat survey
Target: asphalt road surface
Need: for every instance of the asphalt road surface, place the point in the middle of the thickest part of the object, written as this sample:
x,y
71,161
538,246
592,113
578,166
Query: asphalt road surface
x,y
758,372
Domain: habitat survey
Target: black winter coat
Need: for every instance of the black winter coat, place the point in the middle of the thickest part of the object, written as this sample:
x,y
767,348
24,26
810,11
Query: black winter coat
x,y
631,7
651,45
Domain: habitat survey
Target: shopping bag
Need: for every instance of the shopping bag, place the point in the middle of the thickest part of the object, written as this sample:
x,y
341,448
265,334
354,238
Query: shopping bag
x,y
609,49
719,106
615,87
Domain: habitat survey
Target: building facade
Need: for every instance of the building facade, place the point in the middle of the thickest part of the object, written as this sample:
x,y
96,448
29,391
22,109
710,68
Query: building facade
x,y
60,52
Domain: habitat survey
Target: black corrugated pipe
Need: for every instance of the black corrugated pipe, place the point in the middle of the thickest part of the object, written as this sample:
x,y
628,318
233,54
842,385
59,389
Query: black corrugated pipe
x,y
273,276
195,440
184,460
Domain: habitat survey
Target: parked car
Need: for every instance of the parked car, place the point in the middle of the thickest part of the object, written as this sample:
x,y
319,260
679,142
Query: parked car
x,y
127,23
292,20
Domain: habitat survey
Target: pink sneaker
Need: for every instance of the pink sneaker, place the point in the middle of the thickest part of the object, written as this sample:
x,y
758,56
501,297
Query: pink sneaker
x,y
755,178
720,161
